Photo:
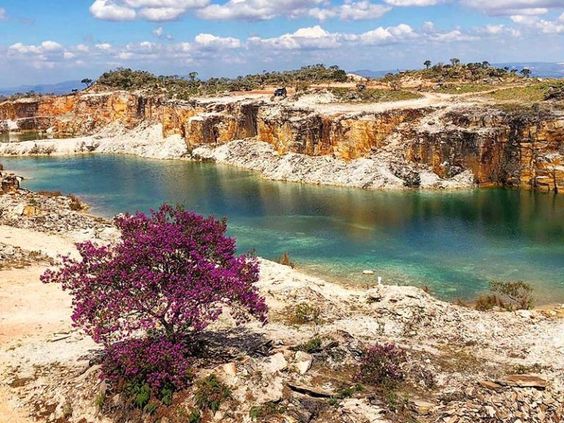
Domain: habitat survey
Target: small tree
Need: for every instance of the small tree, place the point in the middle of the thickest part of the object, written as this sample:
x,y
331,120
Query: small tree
x,y
87,82
193,76
454,61
169,276
427,64
526,72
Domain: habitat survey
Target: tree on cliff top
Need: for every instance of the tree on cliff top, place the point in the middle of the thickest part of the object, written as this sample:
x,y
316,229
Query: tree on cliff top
x,y
169,276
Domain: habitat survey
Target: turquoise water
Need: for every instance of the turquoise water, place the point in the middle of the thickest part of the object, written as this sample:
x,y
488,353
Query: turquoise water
x,y
453,242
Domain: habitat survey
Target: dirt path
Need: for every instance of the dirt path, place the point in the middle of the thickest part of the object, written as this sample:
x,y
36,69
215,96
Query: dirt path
x,y
24,318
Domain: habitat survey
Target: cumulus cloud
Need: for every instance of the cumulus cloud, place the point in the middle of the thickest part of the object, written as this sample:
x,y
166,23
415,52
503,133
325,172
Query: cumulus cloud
x,y
152,10
40,56
389,35
351,10
496,30
44,47
512,7
212,41
107,10
541,25
103,46
258,9
406,3
313,37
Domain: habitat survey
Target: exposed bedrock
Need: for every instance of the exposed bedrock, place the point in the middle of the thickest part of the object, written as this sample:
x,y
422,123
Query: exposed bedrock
x,y
520,147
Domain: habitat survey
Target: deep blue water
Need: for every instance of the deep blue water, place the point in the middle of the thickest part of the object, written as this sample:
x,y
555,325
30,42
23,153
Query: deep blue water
x,y
454,242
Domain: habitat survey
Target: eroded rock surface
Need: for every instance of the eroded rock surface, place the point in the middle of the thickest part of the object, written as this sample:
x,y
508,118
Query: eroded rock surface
x,y
442,137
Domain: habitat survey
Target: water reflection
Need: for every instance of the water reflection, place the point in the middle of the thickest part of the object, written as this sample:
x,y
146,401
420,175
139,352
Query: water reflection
x,y
456,242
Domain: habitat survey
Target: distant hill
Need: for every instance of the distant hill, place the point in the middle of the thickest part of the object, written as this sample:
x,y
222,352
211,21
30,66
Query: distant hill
x,y
371,73
540,69
58,88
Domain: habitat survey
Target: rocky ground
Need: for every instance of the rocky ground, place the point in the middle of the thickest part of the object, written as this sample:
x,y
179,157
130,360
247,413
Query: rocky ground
x,y
462,365
145,141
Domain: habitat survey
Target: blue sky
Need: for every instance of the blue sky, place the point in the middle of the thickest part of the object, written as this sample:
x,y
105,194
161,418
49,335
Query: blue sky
x,y
45,41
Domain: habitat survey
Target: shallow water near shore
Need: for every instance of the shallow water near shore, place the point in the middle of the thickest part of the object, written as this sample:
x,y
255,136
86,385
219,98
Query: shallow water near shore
x,y
453,242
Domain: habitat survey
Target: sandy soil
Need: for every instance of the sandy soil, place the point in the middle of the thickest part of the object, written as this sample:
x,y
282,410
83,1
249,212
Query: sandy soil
x,y
29,318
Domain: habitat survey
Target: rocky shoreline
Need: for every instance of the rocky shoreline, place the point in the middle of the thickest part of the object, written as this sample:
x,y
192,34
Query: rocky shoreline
x,y
437,141
381,171
463,365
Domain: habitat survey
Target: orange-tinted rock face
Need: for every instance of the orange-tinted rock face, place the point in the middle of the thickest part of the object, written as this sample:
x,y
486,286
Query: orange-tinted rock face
x,y
520,149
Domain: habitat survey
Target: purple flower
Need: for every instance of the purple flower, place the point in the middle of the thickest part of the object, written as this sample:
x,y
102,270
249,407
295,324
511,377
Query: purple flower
x,y
170,275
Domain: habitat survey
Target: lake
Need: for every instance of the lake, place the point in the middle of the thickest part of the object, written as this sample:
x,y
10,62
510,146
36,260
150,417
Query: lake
x,y
452,242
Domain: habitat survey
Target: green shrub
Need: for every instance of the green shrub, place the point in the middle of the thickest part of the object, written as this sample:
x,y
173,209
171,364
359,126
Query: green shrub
x,y
265,412
210,393
139,393
100,400
311,346
194,417
507,296
303,313
150,408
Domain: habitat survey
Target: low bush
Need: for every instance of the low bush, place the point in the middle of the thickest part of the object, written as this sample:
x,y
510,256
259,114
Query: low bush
x,y
210,393
159,364
286,261
303,313
381,365
508,296
266,412
312,346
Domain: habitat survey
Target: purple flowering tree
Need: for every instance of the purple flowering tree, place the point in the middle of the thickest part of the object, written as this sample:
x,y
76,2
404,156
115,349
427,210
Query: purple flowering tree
x,y
170,275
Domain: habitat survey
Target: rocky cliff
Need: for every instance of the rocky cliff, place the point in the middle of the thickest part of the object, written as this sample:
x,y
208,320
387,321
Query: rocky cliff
x,y
519,147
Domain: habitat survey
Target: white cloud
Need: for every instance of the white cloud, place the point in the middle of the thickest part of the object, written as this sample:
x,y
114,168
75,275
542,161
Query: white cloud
x,y
497,30
107,10
405,3
212,41
152,10
387,35
51,46
258,9
351,10
514,7
541,25
313,37
82,48
2,13
41,56
103,46
44,47
161,13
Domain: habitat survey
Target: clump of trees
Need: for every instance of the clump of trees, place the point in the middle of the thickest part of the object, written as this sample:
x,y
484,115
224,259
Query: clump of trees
x,y
184,87
456,71
145,297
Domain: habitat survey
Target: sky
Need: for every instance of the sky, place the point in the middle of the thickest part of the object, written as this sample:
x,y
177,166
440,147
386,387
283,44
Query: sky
x,y
47,41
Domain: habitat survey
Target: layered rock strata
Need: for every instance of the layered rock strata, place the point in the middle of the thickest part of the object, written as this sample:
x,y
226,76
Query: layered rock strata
x,y
522,147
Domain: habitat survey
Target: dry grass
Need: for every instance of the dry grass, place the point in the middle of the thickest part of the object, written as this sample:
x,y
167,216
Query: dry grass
x,y
533,92
464,88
